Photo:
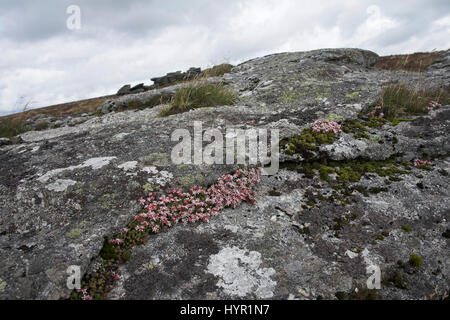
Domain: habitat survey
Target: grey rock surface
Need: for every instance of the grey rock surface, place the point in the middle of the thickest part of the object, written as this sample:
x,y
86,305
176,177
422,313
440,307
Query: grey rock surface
x,y
124,90
5,141
173,77
442,62
63,190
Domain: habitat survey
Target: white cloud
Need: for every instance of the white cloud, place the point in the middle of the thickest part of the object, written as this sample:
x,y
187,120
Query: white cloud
x,y
375,25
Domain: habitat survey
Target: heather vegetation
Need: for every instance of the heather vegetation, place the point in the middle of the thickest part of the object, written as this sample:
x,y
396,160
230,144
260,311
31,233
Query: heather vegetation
x,y
415,62
217,70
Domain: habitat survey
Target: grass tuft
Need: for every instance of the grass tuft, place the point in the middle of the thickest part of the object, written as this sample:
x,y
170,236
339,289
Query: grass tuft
x,y
199,95
398,100
12,127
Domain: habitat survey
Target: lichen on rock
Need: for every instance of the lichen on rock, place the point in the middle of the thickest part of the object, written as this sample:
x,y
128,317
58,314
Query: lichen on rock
x,y
375,192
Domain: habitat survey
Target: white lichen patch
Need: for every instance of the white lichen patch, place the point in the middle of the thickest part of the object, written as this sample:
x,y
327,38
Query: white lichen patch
x,y
150,170
3,284
240,273
128,166
120,136
97,163
94,163
161,178
345,147
351,254
60,185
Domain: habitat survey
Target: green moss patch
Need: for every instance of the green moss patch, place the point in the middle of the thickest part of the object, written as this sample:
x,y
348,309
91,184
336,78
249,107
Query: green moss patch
x,y
406,228
352,95
306,142
346,175
74,233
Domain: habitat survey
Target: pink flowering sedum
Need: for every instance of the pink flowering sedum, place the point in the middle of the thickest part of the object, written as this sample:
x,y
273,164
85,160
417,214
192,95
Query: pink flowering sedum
x,y
116,241
325,126
433,105
376,112
84,294
115,276
419,162
199,204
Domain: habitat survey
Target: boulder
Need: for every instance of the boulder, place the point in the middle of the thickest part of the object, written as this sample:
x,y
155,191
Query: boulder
x,y
137,87
124,90
5,142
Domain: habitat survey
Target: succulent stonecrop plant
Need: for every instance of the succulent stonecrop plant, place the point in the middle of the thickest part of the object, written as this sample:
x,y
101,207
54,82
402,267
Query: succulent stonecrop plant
x,y
376,112
160,213
433,105
420,163
325,126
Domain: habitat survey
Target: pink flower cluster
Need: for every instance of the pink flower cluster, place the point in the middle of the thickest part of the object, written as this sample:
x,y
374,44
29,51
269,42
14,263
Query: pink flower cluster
x,y
85,295
115,276
250,123
419,162
116,241
433,105
325,126
199,204
376,111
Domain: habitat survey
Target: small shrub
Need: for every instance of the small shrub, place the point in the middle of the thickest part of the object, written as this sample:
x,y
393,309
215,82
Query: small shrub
x,y
199,95
10,128
399,99
42,125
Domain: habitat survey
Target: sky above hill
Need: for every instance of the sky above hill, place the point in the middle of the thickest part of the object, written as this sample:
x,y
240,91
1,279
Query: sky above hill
x,y
50,54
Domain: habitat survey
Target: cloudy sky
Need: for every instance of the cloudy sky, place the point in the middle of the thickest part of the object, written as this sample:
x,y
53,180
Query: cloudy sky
x,y
45,62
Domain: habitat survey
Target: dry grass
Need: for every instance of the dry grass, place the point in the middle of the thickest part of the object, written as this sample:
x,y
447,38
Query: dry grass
x,y
14,124
199,94
217,71
416,62
153,101
58,110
